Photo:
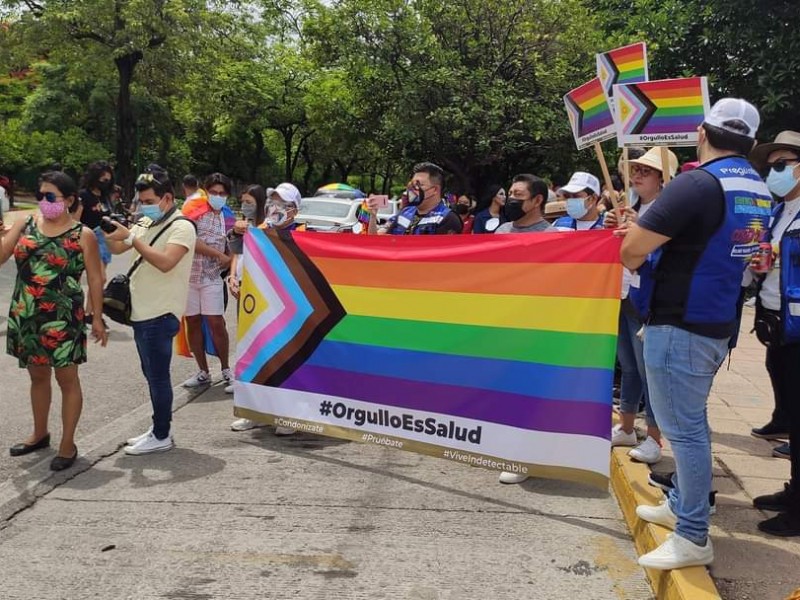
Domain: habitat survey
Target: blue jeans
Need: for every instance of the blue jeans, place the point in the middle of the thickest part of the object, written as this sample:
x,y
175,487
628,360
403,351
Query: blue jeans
x,y
680,370
630,353
154,343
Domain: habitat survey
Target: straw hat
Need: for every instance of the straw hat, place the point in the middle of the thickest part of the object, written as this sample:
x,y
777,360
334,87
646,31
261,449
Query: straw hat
x,y
786,140
652,159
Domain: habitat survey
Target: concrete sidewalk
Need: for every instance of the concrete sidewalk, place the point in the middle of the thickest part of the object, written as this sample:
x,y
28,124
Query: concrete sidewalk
x,y
748,565
250,515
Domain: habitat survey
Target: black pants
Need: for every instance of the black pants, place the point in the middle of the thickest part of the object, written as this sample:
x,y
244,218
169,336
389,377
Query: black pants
x,y
783,366
781,414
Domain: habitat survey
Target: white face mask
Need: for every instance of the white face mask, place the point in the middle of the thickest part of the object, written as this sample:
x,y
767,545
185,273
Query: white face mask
x,y
277,216
781,183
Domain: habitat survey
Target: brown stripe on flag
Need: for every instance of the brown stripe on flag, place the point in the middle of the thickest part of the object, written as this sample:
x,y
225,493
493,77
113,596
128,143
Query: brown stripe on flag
x,y
327,311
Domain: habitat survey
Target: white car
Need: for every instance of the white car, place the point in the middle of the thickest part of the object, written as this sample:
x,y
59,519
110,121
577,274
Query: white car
x,y
334,215
328,214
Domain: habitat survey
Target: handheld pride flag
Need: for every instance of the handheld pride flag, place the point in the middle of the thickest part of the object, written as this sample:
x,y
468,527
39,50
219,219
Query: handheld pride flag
x,y
496,352
589,114
661,113
622,65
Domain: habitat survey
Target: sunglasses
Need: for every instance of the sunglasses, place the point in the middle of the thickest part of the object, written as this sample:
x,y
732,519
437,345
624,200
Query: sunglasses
x,y
49,196
779,165
148,178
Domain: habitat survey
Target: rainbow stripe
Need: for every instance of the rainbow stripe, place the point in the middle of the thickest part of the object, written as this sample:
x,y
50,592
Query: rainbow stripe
x,y
622,65
514,332
591,102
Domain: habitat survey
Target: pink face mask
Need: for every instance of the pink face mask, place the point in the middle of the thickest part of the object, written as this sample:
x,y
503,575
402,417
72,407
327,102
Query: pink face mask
x,y
52,210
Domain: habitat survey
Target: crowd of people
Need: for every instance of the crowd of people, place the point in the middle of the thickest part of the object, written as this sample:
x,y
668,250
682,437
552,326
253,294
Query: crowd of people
x,y
693,239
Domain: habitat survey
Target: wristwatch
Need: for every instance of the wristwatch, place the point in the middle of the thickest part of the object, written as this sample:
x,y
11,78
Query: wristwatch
x,y
129,240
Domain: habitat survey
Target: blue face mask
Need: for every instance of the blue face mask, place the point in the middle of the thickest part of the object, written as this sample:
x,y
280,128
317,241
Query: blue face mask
x,y
151,211
217,202
783,182
576,208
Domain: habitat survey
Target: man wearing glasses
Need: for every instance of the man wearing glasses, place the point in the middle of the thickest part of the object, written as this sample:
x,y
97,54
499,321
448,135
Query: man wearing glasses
x,y
777,323
159,287
426,213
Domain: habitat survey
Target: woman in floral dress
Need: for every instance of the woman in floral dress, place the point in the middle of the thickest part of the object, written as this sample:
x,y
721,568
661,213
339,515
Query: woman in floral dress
x,y
46,330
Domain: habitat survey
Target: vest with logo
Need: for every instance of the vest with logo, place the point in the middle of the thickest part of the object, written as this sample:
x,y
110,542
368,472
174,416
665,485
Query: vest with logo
x,y
789,253
427,224
708,293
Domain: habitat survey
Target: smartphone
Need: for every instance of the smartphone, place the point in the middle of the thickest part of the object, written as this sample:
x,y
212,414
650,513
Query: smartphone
x,y
107,225
381,201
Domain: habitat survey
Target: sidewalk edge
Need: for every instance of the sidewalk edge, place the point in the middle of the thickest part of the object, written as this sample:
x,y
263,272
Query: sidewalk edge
x,y
629,483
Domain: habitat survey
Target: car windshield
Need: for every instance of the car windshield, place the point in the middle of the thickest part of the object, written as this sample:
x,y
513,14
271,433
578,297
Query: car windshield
x,y
324,208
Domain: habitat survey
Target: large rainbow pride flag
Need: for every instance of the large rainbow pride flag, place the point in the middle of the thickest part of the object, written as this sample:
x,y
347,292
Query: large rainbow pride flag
x,y
496,351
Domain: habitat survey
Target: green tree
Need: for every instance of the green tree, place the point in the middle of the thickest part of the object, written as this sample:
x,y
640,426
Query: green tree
x,y
91,34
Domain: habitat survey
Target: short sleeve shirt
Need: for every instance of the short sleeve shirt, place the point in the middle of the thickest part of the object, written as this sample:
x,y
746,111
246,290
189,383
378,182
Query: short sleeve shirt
x,y
211,230
689,210
94,208
154,293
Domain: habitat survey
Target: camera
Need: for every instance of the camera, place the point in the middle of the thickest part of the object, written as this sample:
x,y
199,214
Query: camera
x,y
107,225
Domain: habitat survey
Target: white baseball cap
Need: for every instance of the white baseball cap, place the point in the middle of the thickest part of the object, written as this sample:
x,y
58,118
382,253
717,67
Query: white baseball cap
x,y
580,181
735,116
288,193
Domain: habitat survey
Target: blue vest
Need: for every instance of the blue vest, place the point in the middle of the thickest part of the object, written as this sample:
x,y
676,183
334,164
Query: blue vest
x,y
789,275
570,223
427,224
642,294
708,293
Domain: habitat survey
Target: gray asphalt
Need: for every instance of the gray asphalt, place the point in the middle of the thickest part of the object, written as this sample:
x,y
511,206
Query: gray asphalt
x,y
249,515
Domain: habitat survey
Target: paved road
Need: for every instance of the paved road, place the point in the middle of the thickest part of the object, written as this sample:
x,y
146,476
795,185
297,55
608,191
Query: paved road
x,y
250,515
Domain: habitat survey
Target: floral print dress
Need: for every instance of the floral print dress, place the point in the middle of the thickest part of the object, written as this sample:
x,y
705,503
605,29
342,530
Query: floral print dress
x,y
45,321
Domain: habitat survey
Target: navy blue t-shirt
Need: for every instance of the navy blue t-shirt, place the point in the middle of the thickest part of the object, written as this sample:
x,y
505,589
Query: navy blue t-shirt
x,y
479,225
689,210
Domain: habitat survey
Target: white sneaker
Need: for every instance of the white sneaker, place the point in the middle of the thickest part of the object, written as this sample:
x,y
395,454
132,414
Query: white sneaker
x,y
227,375
132,441
677,552
150,444
506,477
284,431
229,389
649,451
138,438
620,438
202,378
244,425
660,515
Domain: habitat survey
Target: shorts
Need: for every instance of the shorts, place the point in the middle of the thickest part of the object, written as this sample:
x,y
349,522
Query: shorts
x,y
102,244
206,299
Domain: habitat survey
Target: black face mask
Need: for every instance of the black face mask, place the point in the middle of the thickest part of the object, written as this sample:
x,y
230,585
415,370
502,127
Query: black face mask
x,y
512,210
105,186
462,209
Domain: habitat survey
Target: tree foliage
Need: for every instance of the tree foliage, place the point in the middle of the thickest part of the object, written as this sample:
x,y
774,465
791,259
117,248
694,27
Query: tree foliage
x,y
358,90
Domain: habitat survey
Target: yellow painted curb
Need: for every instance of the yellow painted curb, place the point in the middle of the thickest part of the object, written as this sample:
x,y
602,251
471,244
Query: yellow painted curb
x,y
629,482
